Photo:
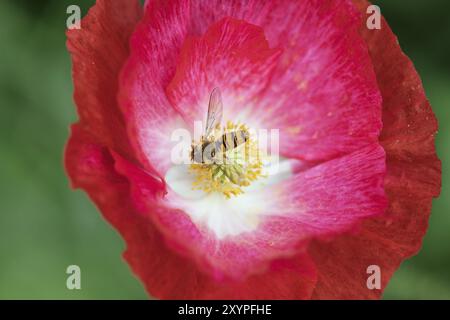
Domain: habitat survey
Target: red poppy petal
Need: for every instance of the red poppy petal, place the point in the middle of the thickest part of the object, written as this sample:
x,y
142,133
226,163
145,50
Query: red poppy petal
x,y
323,96
413,172
98,52
150,118
413,179
324,201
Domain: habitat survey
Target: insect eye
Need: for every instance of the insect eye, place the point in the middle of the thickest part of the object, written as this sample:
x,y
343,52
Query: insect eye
x,y
213,153
235,140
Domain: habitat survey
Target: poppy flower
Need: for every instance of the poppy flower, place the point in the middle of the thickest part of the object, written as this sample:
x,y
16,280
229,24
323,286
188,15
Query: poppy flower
x,y
356,172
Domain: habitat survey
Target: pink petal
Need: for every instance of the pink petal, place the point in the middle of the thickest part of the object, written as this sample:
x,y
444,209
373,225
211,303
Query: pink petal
x,y
323,95
329,199
233,56
154,49
413,179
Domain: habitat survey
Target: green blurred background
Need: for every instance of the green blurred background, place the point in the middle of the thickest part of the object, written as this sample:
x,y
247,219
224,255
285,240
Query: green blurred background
x,y
45,226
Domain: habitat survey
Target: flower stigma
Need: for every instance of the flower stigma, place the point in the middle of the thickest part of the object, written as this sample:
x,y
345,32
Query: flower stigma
x,y
232,168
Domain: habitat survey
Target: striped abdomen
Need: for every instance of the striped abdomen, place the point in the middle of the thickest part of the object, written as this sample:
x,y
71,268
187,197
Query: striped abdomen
x,y
208,151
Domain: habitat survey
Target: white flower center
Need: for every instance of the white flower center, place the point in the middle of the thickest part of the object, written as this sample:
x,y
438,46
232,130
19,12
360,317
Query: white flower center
x,y
227,216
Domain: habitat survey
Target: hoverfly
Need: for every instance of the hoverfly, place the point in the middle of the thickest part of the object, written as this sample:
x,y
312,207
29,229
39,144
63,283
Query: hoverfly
x,y
211,150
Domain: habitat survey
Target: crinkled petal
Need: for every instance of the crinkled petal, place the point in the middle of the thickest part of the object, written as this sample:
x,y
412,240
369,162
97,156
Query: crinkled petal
x,y
321,202
98,51
413,179
165,273
323,95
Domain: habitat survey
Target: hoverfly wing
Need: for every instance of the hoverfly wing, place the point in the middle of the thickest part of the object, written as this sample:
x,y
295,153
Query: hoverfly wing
x,y
215,111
